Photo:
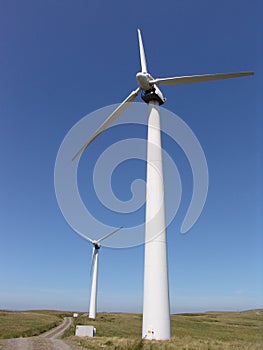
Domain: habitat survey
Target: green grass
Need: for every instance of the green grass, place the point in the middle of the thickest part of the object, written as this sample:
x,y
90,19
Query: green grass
x,y
214,330
28,323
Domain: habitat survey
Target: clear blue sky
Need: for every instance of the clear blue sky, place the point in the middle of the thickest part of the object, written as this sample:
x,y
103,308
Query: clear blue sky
x,y
61,60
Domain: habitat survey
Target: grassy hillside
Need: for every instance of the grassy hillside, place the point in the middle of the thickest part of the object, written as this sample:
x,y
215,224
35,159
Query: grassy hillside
x,y
28,323
215,330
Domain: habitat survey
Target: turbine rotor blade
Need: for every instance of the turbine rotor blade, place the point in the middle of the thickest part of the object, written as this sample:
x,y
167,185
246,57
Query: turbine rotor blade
x,y
114,115
142,53
90,240
197,78
109,234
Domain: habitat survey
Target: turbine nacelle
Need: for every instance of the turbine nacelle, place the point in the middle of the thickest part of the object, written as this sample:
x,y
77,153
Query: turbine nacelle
x,y
96,245
151,91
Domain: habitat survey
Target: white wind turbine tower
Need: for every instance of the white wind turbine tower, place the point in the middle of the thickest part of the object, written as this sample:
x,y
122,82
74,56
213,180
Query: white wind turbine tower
x,y
156,310
94,269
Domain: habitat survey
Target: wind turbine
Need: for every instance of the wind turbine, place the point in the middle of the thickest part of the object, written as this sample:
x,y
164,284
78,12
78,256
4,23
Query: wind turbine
x,y
156,308
94,269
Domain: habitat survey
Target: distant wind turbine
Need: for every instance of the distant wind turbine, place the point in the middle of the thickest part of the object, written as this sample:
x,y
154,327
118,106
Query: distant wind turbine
x,y
94,270
156,308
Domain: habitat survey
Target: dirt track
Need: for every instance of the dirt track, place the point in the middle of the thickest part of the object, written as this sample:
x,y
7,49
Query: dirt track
x,y
58,331
46,341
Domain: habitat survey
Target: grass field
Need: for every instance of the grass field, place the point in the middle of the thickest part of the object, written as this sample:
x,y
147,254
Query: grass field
x,y
214,330
28,323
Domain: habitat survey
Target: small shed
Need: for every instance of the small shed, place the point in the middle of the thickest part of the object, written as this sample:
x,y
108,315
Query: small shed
x,y
85,331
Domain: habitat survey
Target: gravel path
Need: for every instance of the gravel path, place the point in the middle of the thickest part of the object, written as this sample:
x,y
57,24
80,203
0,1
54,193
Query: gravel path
x,y
58,331
46,341
35,343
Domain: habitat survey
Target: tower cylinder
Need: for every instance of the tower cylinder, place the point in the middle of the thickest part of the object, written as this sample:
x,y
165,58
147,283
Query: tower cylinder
x,y
94,283
156,306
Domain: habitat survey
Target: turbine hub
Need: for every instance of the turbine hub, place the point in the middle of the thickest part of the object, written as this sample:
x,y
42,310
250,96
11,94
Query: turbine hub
x,y
143,80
